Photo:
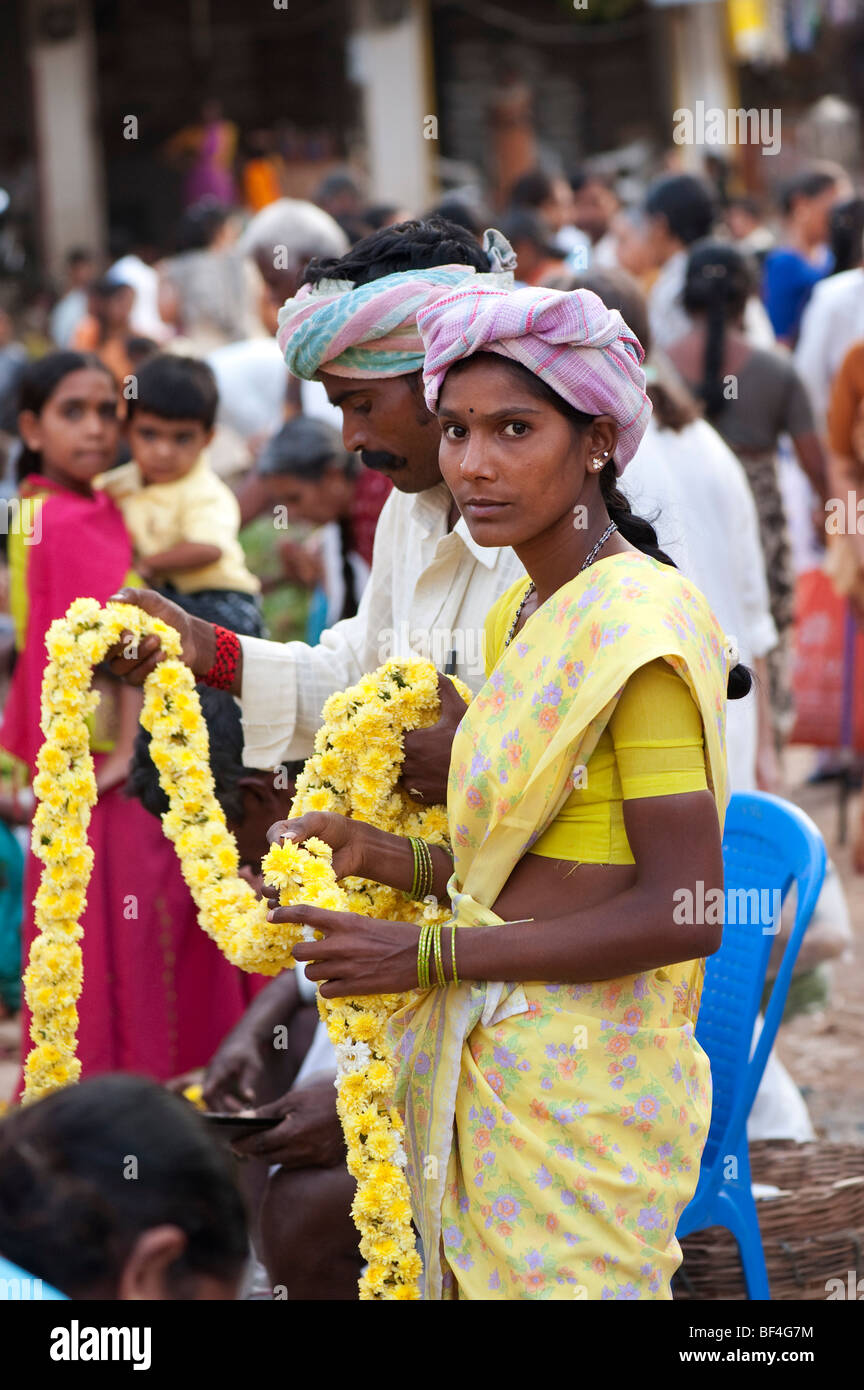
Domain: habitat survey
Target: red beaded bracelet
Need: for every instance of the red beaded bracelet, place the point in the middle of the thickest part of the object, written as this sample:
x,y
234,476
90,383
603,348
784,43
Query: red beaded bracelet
x,y
224,668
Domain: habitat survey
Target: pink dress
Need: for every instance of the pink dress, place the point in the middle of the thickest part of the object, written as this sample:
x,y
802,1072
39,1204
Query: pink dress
x,y
158,995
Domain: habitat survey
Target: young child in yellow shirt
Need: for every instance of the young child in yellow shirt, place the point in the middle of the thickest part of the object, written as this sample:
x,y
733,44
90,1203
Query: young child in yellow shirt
x,y
182,519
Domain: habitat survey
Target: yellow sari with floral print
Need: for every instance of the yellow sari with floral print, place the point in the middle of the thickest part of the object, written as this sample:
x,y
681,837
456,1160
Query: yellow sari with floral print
x,y
554,1131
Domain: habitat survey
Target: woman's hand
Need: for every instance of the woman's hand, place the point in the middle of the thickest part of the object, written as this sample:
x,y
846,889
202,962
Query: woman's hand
x,y
349,839
358,955
133,661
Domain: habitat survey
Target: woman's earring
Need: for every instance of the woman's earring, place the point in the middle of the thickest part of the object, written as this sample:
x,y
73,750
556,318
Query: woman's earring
x,y
598,463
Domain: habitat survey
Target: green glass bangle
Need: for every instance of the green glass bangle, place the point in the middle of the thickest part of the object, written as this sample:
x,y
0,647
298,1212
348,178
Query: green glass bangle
x,y
423,981
439,963
424,873
430,872
413,841
453,953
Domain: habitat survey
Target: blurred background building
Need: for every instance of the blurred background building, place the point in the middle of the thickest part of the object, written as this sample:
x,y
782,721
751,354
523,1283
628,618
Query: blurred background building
x,y
103,98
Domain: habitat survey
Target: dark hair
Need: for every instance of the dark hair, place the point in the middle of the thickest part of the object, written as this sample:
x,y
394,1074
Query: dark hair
x,y
582,177
686,204
222,717
339,181
415,245
633,528
69,1214
107,286
79,255
455,211
378,215
176,388
532,189
808,184
200,224
38,384
140,350
522,224
717,284
746,203
305,448
846,230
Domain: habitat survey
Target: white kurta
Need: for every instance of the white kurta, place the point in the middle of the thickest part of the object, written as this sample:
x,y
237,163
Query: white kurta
x,y
428,593
695,491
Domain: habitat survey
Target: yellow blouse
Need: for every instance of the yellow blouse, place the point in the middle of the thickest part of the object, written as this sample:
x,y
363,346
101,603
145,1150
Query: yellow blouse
x,y
652,746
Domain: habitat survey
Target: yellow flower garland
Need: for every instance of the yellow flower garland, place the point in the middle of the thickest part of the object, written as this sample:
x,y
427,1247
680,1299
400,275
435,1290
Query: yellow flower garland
x,y
354,771
358,754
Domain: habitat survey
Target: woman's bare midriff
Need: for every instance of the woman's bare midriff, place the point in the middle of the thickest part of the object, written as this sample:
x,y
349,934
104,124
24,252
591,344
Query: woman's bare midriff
x,y
553,887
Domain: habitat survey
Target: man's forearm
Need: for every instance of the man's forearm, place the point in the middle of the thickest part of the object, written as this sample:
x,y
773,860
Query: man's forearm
x,y
283,687
275,1004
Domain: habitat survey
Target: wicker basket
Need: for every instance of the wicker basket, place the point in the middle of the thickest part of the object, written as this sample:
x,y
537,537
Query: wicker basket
x,y
812,1233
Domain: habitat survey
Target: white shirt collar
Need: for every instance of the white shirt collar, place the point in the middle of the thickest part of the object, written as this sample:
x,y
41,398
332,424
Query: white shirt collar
x,y
431,509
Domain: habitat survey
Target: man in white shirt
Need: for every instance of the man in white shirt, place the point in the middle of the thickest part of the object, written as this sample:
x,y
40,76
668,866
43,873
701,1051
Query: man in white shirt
x,y
694,486
833,320
429,592
679,211
430,585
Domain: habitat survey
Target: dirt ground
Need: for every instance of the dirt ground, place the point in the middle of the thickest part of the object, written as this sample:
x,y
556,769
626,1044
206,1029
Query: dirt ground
x,y
823,1051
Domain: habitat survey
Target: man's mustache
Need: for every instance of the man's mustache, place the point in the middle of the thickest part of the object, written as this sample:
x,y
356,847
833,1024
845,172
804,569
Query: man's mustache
x,y
381,463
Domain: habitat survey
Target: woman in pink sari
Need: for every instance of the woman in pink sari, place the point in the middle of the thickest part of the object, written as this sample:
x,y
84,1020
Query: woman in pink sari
x,y
211,146
158,996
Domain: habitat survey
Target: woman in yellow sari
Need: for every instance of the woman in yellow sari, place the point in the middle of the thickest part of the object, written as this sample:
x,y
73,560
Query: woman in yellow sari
x,y
555,1098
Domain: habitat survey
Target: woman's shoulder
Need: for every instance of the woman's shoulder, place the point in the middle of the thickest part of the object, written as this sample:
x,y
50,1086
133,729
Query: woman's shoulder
x,y
658,588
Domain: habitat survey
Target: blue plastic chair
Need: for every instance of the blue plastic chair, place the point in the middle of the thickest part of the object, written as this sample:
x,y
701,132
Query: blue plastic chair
x,y
768,845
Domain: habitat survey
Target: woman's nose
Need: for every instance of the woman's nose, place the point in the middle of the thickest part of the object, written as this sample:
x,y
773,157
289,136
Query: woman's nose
x,y
475,462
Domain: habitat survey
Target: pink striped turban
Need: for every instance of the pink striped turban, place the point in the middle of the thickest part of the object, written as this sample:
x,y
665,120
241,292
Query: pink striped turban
x,y
569,339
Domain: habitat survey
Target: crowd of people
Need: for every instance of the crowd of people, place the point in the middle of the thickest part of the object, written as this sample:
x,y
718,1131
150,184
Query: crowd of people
x,y
440,427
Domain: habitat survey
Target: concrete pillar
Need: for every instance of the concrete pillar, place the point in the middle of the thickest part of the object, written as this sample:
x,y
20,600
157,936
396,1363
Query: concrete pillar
x,y
700,67
391,59
61,53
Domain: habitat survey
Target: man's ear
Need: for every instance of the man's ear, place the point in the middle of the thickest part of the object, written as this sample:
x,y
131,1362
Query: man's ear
x,y
209,435
145,1274
269,789
255,784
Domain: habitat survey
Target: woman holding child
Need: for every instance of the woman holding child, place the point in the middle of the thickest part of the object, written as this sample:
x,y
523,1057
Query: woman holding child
x,y
157,994
556,1100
